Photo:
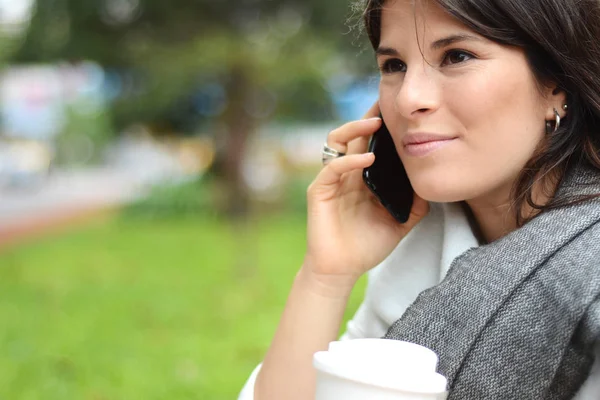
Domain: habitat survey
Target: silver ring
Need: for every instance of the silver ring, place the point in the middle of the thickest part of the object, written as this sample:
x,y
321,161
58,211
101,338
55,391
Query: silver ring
x,y
329,154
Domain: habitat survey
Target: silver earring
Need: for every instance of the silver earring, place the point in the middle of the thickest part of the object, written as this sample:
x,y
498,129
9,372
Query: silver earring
x,y
557,120
565,107
549,127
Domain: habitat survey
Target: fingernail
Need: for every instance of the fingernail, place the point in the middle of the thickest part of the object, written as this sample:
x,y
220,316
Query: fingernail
x,y
373,119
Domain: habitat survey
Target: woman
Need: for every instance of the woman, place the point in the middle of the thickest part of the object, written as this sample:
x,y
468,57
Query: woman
x,y
494,108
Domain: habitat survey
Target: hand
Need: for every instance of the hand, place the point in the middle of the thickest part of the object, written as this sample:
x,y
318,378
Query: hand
x,y
349,231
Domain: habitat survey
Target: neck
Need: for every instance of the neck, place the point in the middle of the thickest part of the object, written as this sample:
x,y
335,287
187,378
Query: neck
x,y
494,216
490,222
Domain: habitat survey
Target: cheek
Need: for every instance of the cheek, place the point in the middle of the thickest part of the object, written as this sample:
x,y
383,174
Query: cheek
x,y
501,115
501,123
387,97
493,99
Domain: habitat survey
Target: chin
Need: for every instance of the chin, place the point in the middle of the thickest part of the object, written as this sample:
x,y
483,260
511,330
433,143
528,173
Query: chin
x,y
441,188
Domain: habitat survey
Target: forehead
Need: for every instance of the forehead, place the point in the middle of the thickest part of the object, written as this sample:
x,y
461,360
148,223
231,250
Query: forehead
x,y
401,19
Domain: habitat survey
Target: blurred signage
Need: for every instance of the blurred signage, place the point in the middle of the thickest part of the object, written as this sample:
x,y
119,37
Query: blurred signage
x,y
32,102
35,100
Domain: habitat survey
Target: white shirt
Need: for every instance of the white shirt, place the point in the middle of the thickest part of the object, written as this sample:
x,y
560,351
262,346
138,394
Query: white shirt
x,y
420,261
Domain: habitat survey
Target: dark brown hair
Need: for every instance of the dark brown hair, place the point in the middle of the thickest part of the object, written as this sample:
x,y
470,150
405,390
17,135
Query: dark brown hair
x,y
561,40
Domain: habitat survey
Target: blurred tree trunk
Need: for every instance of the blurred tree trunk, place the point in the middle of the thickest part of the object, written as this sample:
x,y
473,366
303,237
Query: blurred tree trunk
x,y
240,126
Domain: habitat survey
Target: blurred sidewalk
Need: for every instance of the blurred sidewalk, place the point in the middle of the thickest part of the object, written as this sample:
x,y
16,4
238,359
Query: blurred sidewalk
x,y
65,196
68,195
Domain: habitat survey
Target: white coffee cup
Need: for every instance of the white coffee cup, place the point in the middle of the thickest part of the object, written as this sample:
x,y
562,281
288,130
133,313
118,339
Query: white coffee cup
x,y
378,369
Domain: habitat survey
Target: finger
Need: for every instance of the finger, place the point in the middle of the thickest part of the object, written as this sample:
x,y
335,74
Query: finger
x,y
374,111
339,138
332,172
359,145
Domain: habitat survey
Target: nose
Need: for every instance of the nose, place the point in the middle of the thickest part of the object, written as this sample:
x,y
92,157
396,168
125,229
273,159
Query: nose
x,y
419,93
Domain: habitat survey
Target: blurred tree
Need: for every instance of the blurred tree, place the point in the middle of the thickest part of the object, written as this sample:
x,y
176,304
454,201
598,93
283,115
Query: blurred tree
x,y
182,64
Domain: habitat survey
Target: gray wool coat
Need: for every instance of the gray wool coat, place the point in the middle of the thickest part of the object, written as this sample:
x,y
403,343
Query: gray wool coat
x,y
519,318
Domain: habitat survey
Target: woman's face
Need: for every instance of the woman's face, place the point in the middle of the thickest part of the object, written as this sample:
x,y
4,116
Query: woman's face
x,y
477,99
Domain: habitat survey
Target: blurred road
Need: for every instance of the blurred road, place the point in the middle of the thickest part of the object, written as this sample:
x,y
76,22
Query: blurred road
x,y
67,191
64,197
68,194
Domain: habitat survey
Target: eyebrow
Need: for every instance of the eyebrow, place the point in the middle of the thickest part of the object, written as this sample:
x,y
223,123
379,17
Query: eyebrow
x,y
438,44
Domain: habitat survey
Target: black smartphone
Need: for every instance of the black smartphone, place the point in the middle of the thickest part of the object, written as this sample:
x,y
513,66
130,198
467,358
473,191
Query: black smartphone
x,y
387,178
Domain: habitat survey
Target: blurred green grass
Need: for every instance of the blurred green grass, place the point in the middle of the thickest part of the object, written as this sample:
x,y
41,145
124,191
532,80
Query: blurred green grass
x,y
180,307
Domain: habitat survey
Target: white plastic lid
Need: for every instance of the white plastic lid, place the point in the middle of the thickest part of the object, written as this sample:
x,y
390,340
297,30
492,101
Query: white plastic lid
x,y
385,363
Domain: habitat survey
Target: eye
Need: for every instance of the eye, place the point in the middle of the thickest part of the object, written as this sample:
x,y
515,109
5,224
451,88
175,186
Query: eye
x,y
392,65
456,57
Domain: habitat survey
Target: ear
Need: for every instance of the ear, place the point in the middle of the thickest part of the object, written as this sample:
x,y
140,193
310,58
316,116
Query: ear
x,y
556,99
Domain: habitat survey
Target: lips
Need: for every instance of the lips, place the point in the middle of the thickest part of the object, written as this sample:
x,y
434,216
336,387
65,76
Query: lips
x,y
420,138
421,144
